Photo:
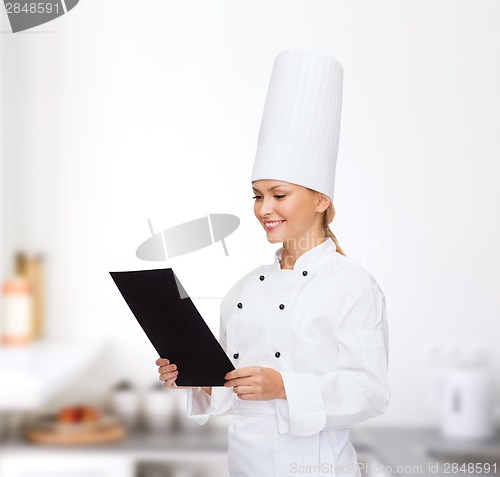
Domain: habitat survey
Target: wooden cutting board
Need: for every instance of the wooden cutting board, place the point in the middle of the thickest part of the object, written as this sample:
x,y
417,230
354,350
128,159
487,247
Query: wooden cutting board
x,y
98,435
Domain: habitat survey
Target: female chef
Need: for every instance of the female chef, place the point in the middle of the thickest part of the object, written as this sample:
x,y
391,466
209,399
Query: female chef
x,y
307,334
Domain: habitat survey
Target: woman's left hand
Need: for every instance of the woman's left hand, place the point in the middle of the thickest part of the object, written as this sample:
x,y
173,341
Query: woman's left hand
x,y
256,383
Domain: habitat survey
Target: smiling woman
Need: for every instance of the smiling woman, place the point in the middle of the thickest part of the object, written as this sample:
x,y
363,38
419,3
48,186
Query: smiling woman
x,y
290,214
287,198
307,334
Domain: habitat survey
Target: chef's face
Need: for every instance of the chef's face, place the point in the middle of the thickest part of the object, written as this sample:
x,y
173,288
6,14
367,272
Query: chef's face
x,y
288,211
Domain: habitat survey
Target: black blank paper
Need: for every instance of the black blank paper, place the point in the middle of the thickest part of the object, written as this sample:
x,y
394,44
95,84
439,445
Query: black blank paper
x,y
174,326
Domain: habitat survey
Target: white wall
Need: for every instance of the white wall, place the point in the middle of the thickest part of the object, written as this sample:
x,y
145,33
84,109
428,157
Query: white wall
x,y
126,110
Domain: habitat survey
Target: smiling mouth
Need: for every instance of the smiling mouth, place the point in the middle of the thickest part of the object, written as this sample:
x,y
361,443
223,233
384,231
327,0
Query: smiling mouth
x,y
273,225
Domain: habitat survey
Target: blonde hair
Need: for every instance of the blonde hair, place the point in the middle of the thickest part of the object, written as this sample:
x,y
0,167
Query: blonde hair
x,y
328,217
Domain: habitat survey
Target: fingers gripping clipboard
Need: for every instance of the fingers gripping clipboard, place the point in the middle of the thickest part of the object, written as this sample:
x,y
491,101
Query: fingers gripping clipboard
x,y
174,326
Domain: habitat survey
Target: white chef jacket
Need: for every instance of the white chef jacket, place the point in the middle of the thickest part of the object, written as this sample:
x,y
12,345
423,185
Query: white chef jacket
x,y
323,326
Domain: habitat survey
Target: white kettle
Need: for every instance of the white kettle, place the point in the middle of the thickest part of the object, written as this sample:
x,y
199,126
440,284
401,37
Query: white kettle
x,y
463,394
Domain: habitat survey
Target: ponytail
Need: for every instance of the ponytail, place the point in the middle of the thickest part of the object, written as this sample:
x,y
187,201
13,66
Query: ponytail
x,y
328,217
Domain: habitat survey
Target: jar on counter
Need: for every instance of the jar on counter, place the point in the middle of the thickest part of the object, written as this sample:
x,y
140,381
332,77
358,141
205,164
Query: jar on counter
x,y
16,326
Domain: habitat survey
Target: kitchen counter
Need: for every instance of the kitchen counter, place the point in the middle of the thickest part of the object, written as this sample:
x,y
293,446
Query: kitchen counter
x,y
141,453
425,452
140,442
389,451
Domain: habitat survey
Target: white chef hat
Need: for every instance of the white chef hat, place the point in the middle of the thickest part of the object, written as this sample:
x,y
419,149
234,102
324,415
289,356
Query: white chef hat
x,y
299,132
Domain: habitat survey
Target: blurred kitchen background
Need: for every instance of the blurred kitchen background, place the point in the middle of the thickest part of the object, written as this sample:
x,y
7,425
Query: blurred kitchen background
x,y
124,111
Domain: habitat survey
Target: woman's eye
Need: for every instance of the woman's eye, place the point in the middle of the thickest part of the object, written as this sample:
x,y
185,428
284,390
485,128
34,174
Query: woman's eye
x,y
276,196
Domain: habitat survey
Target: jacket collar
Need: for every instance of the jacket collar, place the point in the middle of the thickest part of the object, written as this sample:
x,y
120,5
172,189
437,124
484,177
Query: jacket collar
x,y
313,258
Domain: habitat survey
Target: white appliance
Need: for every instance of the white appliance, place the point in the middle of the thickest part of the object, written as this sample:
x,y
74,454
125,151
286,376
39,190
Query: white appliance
x,y
463,394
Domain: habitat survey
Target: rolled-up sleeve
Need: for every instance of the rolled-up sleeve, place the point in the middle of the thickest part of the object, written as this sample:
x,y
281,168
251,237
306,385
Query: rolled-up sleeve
x,y
357,387
201,405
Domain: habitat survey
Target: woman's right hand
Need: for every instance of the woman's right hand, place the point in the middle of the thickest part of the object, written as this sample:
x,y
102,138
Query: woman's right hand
x,y
168,372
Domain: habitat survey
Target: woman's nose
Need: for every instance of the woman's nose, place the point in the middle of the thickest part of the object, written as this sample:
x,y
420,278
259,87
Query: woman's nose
x,y
264,208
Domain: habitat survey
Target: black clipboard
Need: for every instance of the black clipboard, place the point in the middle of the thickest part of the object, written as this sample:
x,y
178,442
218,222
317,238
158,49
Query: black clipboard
x,y
174,326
